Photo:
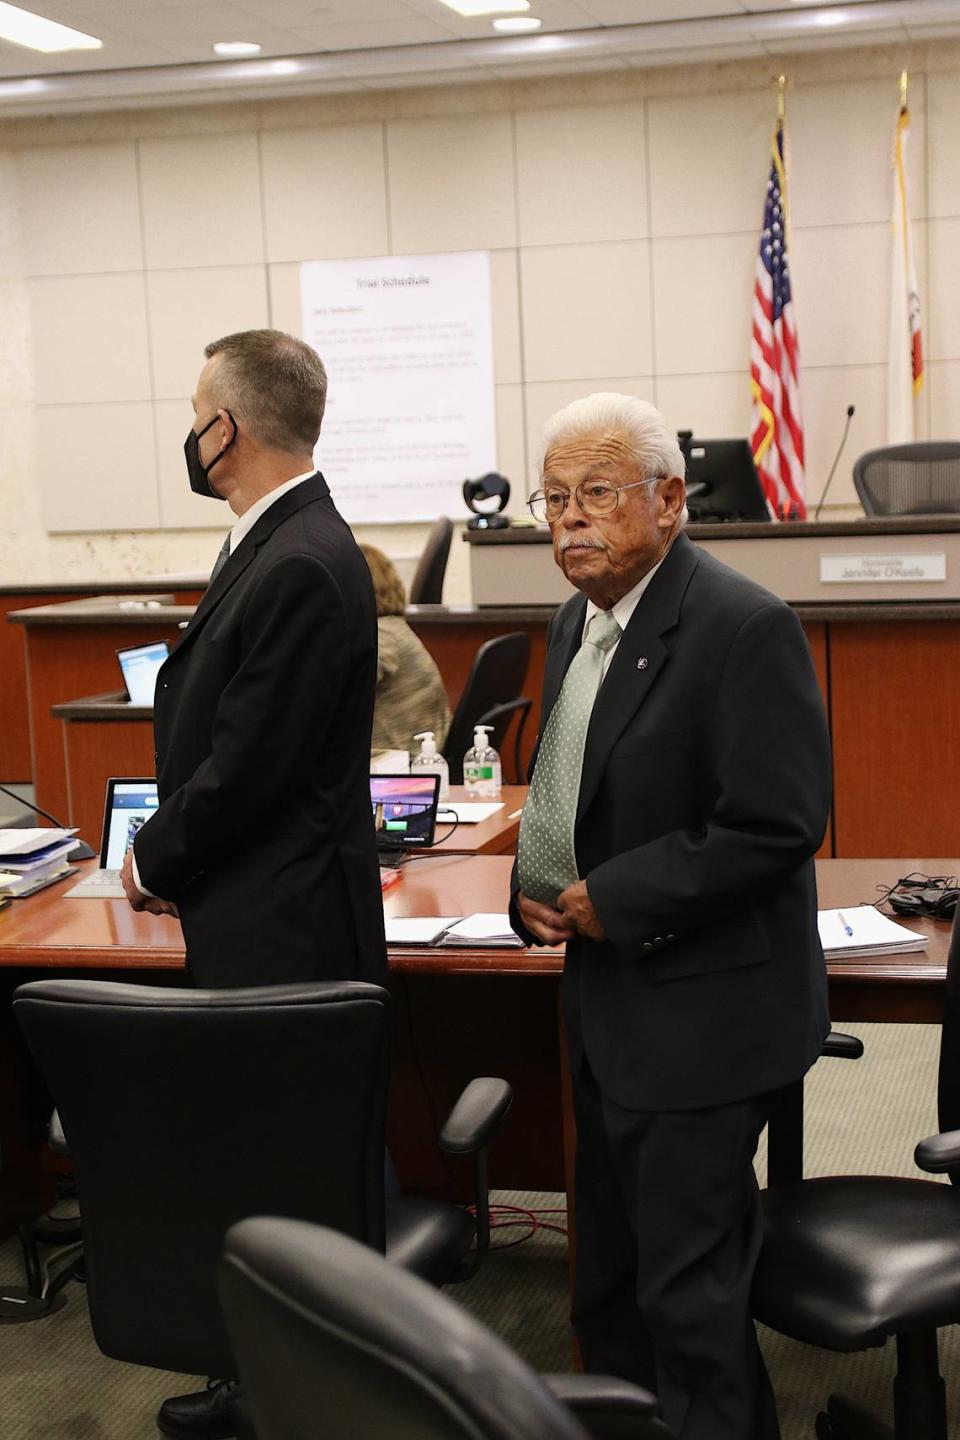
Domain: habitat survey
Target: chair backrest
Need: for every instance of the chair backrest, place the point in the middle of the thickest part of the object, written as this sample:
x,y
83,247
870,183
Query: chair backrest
x,y
186,1110
500,718
919,479
948,1081
332,1340
497,676
426,587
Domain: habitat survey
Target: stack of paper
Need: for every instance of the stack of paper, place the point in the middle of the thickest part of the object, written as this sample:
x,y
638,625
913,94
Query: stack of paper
x,y
471,812
31,859
476,931
417,930
482,930
862,930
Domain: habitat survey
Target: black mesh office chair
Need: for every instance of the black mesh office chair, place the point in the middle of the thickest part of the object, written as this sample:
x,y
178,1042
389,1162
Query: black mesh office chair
x,y
332,1341
850,1260
426,587
919,479
186,1110
496,679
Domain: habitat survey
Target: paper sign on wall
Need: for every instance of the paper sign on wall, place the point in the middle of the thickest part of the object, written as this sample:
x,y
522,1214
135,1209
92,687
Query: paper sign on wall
x,y
407,342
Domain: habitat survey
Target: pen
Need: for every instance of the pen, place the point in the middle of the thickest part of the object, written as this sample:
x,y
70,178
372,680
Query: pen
x,y
848,928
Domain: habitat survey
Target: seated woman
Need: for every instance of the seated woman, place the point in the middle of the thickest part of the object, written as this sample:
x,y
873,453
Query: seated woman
x,y
410,693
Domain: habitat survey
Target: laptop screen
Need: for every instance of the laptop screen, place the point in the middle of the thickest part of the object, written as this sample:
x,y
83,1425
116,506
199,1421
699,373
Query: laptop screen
x,y
129,804
139,666
404,809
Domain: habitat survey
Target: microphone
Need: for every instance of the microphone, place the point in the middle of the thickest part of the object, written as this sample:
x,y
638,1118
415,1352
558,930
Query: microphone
x,y
80,851
836,460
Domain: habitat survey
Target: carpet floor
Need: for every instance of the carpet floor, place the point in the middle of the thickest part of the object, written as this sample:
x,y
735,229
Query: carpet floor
x,y
861,1117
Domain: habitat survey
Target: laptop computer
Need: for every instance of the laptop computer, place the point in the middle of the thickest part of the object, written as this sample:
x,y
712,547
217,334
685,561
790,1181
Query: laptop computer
x,y
139,666
404,813
129,804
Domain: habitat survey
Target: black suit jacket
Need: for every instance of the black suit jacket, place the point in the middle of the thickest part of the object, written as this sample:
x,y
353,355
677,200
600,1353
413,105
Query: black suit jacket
x,y
263,712
705,793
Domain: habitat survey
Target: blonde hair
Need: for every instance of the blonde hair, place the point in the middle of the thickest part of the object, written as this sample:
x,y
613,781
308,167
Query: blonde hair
x,y
387,585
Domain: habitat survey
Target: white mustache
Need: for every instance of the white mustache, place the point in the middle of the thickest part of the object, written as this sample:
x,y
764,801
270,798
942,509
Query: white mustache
x,y
569,540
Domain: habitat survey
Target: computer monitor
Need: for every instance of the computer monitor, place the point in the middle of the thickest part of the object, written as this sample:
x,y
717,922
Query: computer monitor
x,y
722,480
139,666
128,805
404,811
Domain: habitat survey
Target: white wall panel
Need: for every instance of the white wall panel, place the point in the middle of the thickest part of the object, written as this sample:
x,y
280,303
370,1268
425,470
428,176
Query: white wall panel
x,y
79,208
840,149
451,184
586,310
702,296
201,201
581,174
96,467
709,161
324,192
89,338
190,308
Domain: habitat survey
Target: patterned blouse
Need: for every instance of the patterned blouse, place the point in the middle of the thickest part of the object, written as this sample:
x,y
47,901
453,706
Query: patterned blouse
x,y
410,693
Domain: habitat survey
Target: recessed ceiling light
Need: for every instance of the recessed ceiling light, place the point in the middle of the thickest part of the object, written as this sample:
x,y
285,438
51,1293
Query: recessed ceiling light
x,y
22,27
486,7
517,24
237,47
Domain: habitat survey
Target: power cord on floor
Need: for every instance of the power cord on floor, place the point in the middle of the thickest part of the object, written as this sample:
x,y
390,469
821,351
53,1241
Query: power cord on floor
x,y
510,1217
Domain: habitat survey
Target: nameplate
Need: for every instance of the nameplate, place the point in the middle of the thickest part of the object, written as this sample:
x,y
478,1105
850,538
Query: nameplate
x,y
882,569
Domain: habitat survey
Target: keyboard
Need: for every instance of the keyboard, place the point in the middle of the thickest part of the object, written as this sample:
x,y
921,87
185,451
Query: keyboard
x,y
102,885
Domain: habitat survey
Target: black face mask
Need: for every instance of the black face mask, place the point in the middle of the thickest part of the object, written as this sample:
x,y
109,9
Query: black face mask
x,y
196,469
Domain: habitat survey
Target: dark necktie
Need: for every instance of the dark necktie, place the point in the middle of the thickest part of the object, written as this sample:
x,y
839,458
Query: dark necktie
x,y
221,560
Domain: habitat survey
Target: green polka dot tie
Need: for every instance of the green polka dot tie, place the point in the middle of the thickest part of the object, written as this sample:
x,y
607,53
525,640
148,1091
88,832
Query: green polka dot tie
x,y
546,858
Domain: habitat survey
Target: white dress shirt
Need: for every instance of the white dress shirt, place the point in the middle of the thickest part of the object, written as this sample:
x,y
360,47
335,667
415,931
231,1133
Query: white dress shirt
x,y
243,526
621,612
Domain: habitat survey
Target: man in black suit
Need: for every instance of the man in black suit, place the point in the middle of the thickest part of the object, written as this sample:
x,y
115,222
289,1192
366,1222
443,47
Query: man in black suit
x,y
681,789
263,841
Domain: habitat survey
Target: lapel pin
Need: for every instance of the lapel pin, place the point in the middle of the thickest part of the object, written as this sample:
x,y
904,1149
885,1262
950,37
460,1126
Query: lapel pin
x,y
642,663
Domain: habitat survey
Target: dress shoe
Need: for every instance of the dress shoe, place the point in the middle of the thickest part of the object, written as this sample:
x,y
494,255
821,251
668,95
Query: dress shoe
x,y
209,1414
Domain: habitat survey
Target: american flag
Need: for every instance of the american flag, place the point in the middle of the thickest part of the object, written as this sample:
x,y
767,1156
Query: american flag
x,y
776,427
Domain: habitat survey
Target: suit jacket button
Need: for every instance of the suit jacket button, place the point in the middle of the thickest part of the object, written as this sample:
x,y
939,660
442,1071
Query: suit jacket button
x,y
671,937
647,945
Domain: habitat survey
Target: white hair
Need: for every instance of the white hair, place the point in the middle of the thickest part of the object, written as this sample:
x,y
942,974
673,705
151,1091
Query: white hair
x,y
651,443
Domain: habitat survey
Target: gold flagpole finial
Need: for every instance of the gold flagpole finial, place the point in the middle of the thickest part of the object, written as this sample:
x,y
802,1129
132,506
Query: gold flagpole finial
x,y
781,103
903,89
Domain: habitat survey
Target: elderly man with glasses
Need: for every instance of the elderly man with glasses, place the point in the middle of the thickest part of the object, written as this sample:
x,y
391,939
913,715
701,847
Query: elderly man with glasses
x,y
680,791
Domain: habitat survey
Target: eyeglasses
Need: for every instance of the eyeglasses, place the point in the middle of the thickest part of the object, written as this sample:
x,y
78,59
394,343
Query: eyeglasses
x,y
594,497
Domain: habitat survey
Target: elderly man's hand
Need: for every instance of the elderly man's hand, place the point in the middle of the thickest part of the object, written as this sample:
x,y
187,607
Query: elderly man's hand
x,y
138,900
547,924
576,908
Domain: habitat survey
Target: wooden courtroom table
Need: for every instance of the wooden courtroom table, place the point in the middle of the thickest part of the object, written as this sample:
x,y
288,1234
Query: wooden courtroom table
x,y
886,669
105,735
70,650
15,761
459,1013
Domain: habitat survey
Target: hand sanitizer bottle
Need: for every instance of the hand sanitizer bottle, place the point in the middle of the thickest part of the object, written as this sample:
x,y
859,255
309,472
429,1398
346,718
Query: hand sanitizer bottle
x,y
481,765
431,762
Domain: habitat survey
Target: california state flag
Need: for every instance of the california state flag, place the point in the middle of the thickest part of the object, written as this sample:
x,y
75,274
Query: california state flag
x,y
905,356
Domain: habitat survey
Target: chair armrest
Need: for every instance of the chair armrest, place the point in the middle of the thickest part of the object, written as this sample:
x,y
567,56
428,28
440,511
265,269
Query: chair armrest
x,y
476,1116
842,1047
609,1408
939,1153
55,1136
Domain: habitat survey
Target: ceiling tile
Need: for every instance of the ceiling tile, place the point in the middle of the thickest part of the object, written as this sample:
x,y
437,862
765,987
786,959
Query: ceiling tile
x,y
367,34
644,12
